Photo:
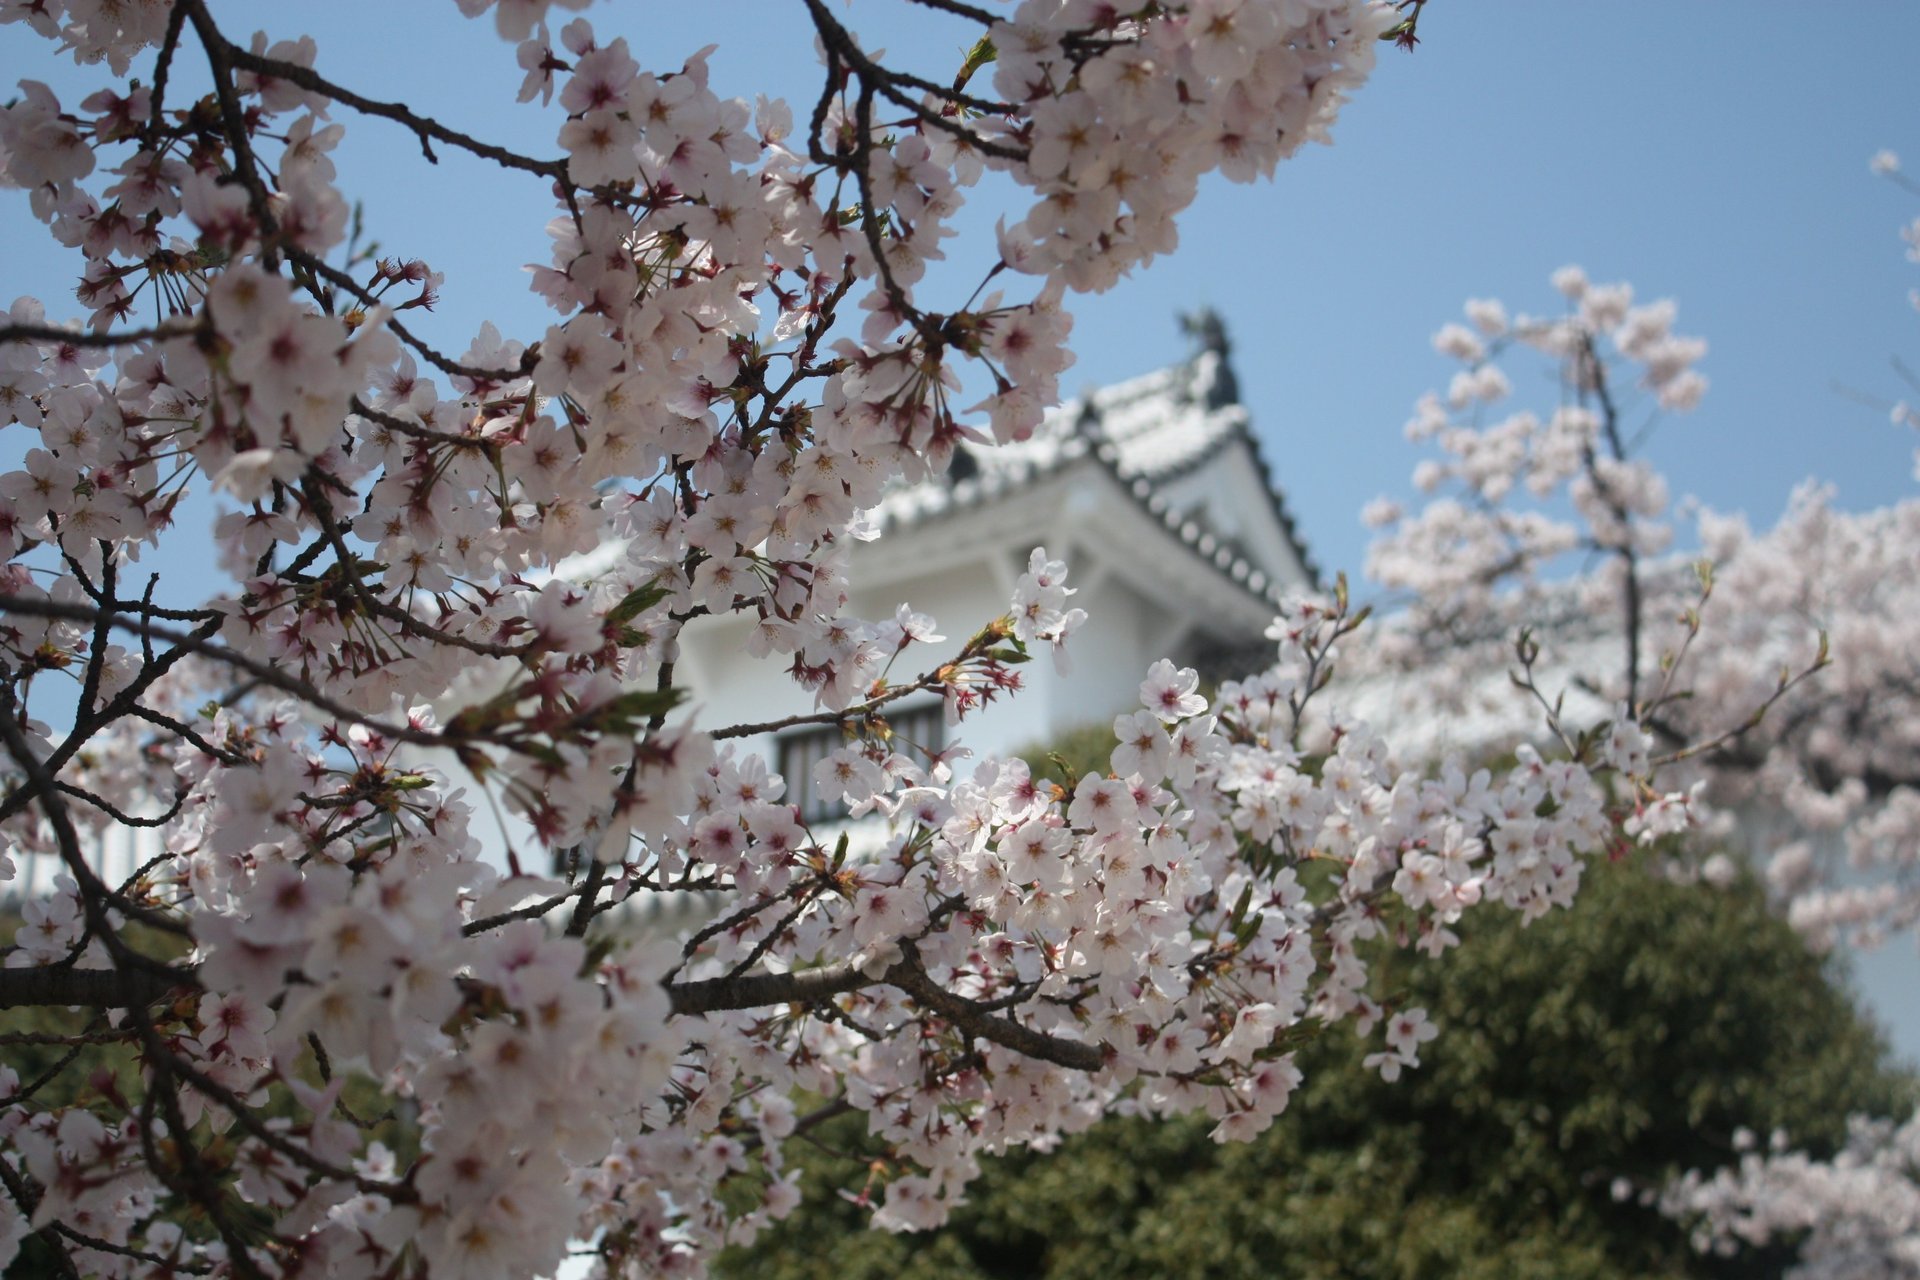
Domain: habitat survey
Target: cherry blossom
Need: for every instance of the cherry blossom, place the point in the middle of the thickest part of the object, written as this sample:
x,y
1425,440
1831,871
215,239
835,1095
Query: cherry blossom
x,y
1770,676
425,755
1856,1214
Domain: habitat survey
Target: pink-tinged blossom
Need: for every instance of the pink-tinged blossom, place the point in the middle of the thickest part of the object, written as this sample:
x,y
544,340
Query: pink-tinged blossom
x,y
405,662
1169,692
1854,1215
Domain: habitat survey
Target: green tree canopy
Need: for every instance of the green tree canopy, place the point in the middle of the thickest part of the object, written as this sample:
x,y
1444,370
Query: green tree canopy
x,y
1602,1049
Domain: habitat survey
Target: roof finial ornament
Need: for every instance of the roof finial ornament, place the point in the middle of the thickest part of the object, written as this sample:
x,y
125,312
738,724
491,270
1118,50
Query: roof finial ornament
x,y
1206,328
1209,333
1088,422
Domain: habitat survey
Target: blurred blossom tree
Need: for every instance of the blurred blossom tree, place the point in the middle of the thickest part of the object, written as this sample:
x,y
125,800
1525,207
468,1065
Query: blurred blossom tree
x,y
347,1044
1854,1213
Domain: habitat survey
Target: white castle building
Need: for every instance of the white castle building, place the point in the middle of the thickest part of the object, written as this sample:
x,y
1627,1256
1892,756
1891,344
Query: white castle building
x,y
1153,491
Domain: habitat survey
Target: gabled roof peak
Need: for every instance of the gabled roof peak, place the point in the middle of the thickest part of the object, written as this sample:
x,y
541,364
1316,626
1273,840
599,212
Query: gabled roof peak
x,y
1159,423
1147,431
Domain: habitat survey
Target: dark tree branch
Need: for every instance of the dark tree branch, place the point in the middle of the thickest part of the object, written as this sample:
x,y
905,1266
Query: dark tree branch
x,y
589,891
27,1195
162,66
427,129
265,672
108,989
322,508
971,1017
427,352
48,333
245,168
126,702
116,813
1591,374
533,911
414,430
853,714
45,986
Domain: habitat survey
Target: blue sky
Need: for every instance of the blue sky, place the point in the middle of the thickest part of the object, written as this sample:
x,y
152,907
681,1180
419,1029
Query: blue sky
x,y
1713,153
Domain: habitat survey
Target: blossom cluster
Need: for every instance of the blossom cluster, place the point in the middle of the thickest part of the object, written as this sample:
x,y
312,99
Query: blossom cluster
x,y
1707,661
1854,1216
1509,468
367,1048
1841,782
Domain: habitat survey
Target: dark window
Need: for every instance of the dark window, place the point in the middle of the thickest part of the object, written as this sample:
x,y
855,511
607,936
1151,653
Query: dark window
x,y
917,731
797,754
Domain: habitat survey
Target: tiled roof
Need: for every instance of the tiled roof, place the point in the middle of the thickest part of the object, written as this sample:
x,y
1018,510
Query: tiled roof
x,y
1146,431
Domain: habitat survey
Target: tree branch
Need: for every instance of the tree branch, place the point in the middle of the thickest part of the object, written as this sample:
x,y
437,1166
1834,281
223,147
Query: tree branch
x,y
109,989
91,988
265,672
54,334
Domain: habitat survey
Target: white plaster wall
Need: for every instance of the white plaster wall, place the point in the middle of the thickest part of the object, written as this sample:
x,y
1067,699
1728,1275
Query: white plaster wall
x,y
115,854
1107,656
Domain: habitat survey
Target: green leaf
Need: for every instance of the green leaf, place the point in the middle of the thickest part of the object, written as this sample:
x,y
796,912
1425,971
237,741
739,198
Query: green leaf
x,y
638,601
642,704
1246,931
1239,916
977,57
